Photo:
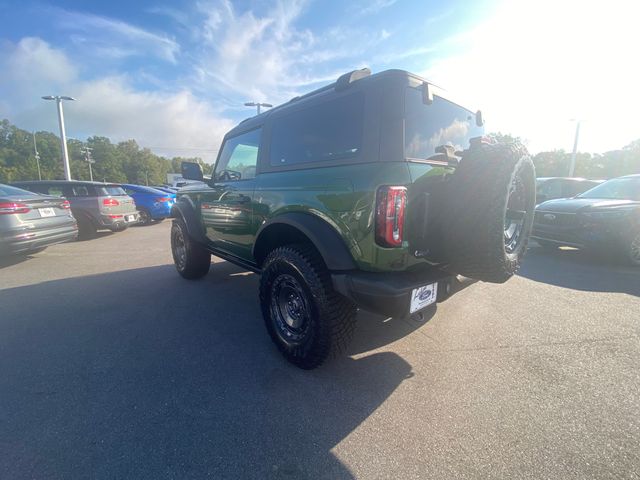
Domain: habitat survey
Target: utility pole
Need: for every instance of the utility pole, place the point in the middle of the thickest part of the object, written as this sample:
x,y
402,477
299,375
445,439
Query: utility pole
x,y
258,105
87,158
572,165
37,155
63,135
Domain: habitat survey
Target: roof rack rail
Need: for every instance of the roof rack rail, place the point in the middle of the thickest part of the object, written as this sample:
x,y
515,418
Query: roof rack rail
x,y
348,78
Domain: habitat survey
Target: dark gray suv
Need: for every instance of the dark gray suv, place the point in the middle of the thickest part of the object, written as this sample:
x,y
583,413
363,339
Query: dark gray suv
x,y
95,205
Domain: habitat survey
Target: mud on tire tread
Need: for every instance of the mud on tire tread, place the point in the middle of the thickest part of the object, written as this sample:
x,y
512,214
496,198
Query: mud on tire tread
x,y
332,315
479,191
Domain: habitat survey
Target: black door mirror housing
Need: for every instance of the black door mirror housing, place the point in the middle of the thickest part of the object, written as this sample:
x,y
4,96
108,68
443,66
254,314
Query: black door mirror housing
x,y
192,171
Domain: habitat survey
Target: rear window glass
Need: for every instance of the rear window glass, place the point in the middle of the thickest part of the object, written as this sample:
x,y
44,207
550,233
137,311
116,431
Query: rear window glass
x,y
7,190
441,123
329,131
80,191
110,190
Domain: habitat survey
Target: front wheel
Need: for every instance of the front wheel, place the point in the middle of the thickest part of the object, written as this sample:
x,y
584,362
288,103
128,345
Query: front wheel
x,y
191,259
306,319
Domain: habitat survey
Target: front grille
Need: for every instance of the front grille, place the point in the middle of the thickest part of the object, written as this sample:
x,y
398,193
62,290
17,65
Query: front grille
x,y
555,218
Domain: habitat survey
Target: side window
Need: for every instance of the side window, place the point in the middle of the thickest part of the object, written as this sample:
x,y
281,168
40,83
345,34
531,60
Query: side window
x,y
328,131
239,157
80,191
55,190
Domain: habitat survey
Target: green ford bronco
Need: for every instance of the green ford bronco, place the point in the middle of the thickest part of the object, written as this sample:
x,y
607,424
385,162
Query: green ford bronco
x,y
374,192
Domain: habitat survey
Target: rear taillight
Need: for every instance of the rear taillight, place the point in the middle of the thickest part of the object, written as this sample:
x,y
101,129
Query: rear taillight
x,y
66,205
8,208
390,206
163,199
110,202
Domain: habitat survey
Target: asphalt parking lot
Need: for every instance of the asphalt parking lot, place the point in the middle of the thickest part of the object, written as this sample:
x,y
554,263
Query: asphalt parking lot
x,y
112,366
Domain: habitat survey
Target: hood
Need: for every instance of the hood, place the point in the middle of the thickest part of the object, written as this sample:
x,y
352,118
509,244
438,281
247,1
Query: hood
x,y
574,205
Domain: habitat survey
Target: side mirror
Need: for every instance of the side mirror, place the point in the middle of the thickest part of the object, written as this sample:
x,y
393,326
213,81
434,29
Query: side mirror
x,y
191,171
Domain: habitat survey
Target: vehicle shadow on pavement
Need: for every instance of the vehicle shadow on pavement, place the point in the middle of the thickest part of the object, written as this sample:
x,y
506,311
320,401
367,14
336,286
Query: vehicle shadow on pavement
x,y
580,270
141,374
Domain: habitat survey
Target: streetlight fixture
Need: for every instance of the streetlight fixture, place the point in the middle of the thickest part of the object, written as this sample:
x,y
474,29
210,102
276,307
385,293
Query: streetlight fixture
x,y
572,165
87,158
63,136
258,105
37,155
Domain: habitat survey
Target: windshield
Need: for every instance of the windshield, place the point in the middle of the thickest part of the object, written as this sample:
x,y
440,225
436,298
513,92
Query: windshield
x,y
618,189
441,123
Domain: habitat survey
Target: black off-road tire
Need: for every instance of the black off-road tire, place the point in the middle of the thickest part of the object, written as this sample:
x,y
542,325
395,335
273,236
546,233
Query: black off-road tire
x,y
191,259
633,249
486,180
328,317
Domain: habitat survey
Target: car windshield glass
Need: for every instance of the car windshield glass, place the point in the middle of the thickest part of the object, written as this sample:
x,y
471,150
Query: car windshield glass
x,y
441,123
7,190
111,190
618,188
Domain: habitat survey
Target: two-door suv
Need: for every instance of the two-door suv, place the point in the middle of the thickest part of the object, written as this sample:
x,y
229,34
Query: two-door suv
x,y
374,192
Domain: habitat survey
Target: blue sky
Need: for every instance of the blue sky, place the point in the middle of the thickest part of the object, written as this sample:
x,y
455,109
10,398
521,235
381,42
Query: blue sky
x,y
175,75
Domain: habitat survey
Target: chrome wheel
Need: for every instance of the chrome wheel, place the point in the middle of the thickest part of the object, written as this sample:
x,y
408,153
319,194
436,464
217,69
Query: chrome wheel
x,y
289,309
515,215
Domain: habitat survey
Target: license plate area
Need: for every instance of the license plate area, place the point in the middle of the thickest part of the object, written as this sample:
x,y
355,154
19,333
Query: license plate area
x,y
47,212
422,297
129,218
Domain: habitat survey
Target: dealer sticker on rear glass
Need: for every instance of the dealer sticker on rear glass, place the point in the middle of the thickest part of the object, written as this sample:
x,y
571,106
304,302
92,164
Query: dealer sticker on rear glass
x,y
423,296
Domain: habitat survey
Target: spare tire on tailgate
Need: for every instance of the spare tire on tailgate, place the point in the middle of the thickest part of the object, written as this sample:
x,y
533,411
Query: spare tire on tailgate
x,y
490,208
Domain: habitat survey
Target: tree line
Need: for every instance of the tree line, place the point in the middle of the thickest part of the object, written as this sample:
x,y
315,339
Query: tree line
x,y
126,162
123,162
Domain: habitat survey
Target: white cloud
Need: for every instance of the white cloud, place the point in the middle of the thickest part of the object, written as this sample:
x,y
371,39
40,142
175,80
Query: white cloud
x,y
115,37
176,120
534,66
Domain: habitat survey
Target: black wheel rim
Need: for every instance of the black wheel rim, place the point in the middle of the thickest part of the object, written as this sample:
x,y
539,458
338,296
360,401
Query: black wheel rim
x,y
515,216
179,248
144,217
289,309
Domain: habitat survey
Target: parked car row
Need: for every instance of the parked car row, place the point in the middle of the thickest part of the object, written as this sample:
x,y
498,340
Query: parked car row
x,y
606,217
36,214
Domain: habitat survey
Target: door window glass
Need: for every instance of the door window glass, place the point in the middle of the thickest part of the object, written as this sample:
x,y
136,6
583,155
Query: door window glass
x,y
239,157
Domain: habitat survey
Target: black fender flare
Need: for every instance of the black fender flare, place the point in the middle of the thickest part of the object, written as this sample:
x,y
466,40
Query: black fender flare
x,y
185,210
322,235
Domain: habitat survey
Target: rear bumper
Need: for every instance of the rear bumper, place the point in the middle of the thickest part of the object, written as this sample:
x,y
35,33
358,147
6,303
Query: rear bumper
x,y
118,220
160,210
390,293
26,241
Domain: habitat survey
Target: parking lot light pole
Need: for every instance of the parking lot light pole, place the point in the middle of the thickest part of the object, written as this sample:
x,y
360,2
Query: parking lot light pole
x,y
63,136
258,105
572,165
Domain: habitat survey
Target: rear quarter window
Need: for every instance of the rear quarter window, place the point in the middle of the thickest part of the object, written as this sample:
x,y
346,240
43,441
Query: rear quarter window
x,y
111,190
328,131
441,123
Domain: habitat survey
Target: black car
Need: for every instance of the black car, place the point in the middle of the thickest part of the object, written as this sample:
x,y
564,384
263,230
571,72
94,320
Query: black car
x,y
548,188
605,217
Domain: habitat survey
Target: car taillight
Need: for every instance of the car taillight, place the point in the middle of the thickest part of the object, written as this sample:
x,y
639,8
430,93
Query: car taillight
x,y
110,202
8,208
390,206
66,205
163,199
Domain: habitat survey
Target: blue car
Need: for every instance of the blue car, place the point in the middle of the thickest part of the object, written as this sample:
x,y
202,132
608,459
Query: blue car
x,y
153,205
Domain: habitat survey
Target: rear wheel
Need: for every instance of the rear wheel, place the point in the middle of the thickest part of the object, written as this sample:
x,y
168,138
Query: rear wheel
x,y
490,215
144,217
191,259
306,319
